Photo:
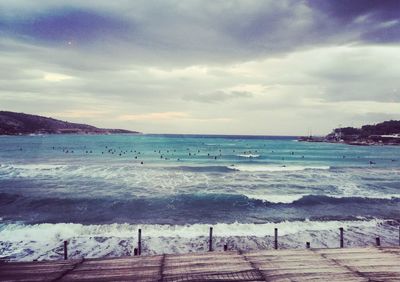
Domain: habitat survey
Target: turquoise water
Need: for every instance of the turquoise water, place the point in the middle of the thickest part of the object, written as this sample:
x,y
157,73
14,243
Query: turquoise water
x,y
170,182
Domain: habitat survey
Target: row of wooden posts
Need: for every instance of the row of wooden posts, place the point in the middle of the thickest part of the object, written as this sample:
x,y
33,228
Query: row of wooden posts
x,y
138,251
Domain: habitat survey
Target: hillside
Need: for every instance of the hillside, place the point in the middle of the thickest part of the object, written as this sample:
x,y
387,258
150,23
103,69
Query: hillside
x,y
384,133
387,132
12,123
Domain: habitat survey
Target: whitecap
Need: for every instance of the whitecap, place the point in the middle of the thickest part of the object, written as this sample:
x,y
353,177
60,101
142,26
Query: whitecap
x,y
270,168
44,241
248,156
285,199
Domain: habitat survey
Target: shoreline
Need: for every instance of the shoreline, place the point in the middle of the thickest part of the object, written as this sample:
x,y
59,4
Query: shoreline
x,y
102,241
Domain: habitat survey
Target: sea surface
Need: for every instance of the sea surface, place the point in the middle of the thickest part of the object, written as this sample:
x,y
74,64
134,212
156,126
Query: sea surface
x,y
96,191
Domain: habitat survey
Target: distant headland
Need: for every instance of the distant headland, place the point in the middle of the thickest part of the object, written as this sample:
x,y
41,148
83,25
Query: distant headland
x,y
12,123
384,133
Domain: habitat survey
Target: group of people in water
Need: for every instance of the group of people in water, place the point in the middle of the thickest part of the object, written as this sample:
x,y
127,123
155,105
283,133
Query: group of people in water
x,y
170,153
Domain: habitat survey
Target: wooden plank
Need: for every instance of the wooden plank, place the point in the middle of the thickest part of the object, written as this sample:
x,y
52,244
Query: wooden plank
x,y
299,277
226,266
128,269
35,271
359,264
300,266
393,251
374,264
114,276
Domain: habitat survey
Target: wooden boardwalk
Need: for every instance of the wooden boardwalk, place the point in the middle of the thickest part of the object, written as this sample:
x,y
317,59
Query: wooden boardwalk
x,y
358,264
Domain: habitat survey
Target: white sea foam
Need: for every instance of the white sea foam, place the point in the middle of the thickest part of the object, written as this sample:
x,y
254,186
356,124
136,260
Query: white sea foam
x,y
47,231
44,241
285,199
367,196
248,155
270,168
289,199
40,166
220,144
147,180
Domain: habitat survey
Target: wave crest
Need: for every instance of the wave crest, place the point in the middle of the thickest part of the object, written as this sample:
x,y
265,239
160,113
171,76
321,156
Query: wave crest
x,y
250,156
44,241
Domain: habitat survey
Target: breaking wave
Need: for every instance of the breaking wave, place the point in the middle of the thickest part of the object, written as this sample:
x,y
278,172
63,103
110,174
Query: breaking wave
x,y
191,208
45,240
248,156
269,168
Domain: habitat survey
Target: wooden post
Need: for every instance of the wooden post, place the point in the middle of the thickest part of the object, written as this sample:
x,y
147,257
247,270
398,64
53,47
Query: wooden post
x,y
65,250
276,239
225,247
378,241
135,252
307,245
210,240
140,242
341,237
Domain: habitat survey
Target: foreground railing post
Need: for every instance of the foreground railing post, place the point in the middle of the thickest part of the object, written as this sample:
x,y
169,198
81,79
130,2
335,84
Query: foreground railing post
x,y
276,239
139,241
210,240
378,241
341,237
65,250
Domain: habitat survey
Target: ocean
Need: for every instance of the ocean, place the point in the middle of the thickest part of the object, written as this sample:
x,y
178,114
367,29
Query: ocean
x,y
96,191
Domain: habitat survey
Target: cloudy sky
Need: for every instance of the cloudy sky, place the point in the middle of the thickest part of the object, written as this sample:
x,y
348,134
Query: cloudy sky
x,y
196,66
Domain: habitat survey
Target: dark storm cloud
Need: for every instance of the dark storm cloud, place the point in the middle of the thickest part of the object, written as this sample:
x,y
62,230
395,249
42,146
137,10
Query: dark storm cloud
x,y
384,34
63,25
375,21
346,11
179,33
210,66
170,32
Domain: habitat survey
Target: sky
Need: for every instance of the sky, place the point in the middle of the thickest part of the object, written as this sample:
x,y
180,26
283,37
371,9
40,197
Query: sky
x,y
205,67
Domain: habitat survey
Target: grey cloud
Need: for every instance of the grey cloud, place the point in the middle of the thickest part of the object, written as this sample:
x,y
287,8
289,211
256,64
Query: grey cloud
x,y
363,20
217,96
61,26
363,91
174,56
357,74
147,32
95,35
347,11
383,34
372,117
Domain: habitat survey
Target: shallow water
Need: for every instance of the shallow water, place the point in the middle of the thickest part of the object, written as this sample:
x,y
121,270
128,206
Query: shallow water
x,y
95,191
